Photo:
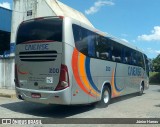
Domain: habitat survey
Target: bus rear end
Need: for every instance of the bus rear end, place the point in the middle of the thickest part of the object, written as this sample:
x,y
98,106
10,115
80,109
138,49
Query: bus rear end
x,y
40,73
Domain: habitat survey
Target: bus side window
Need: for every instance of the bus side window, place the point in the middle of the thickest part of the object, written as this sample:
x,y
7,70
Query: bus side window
x,y
117,50
134,58
81,39
111,57
96,46
126,55
91,38
84,42
140,60
131,62
146,65
124,58
102,48
77,33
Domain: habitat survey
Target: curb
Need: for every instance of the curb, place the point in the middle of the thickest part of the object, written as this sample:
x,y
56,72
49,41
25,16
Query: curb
x,y
13,96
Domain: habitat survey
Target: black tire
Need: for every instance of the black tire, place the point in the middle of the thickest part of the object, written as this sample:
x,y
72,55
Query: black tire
x,y
105,98
141,90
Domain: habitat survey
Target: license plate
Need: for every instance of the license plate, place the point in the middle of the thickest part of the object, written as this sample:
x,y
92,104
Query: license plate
x,y
36,95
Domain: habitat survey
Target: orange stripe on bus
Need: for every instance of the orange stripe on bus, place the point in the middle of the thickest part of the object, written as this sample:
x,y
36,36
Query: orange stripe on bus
x,y
76,73
83,75
114,92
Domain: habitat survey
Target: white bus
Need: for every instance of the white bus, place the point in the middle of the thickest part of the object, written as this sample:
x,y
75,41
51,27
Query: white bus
x,y
60,60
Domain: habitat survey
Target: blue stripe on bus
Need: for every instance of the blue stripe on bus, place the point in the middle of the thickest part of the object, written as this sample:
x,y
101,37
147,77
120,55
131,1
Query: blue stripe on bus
x,y
119,90
87,65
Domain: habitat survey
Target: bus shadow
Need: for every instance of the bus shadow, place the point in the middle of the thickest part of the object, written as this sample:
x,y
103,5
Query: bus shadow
x,y
124,97
52,111
157,105
56,111
158,90
121,98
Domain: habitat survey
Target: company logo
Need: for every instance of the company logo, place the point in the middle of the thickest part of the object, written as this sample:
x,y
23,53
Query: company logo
x,y
6,121
20,70
36,47
134,71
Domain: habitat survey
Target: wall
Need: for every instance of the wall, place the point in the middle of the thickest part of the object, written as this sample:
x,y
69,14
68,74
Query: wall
x,y
7,73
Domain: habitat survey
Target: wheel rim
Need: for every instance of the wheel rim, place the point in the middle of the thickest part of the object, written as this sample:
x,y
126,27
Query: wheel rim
x,y
106,97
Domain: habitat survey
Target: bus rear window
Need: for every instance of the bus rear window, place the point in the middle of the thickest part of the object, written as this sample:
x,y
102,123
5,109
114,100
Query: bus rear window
x,y
43,29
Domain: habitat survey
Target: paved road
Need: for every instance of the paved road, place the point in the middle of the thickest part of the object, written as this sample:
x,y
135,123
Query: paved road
x,y
130,106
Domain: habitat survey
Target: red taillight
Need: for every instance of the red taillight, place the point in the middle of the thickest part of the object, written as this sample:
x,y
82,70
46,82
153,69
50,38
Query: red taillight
x,y
16,76
61,17
64,78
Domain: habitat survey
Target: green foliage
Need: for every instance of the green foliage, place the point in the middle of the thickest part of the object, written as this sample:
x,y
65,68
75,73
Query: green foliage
x,y
156,63
154,77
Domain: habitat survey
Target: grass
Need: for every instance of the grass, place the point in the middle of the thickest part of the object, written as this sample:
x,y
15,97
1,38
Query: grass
x,y
154,77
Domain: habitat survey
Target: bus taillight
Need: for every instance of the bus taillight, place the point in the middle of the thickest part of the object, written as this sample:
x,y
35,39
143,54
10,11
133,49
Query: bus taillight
x,y
61,17
16,77
64,78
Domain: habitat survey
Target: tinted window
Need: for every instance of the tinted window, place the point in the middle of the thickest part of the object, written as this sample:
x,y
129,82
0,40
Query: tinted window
x,y
94,45
140,60
124,55
83,43
134,58
91,43
77,33
103,48
128,58
147,65
84,40
44,29
116,52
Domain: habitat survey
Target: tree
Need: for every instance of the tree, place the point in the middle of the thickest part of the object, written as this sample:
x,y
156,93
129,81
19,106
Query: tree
x,y
156,63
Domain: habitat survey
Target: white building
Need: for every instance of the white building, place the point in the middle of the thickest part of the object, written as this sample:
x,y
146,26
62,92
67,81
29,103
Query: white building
x,y
28,9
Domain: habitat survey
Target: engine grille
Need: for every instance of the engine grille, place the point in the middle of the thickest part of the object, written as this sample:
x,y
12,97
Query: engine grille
x,y
38,56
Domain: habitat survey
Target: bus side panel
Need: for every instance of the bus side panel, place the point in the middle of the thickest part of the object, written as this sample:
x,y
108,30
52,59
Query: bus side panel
x,y
144,77
105,72
146,82
134,79
120,72
79,93
78,96
129,81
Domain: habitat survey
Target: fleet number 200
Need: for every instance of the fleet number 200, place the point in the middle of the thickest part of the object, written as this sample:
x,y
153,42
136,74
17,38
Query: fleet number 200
x,y
53,70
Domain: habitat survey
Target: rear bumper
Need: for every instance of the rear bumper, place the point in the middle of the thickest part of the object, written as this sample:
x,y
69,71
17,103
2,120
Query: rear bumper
x,y
62,97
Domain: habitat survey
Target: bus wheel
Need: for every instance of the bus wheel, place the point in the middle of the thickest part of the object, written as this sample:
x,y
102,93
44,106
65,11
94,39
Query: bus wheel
x,y
141,89
106,97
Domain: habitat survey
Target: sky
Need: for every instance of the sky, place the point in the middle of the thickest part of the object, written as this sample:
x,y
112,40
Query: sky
x,y
134,21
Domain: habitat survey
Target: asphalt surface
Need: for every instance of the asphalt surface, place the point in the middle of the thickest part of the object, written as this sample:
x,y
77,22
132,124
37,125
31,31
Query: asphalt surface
x,y
130,106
